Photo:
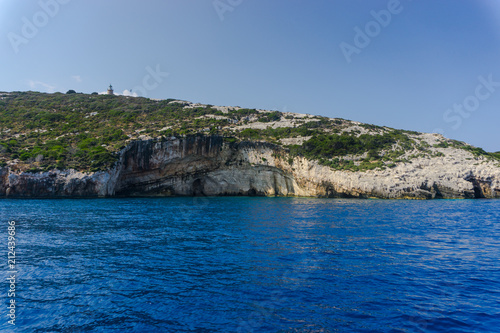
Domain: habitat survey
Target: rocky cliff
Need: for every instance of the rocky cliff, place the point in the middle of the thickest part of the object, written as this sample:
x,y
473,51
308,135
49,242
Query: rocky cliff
x,y
210,166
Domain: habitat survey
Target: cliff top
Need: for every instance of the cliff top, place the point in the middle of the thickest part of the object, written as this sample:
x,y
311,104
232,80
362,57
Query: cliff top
x,y
85,132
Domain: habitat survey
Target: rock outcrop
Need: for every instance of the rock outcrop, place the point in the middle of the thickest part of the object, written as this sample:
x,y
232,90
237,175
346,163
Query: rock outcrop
x,y
209,166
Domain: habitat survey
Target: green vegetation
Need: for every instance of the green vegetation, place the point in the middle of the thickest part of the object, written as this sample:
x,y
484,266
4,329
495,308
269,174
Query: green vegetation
x,y
442,144
328,148
480,152
86,131
477,152
271,116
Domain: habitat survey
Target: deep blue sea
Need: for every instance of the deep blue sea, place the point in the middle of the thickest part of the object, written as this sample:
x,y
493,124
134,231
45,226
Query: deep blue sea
x,y
240,264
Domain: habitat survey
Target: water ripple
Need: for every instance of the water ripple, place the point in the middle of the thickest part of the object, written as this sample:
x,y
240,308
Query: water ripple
x,y
256,265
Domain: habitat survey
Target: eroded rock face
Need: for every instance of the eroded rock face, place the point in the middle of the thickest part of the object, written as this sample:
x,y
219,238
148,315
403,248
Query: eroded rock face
x,y
199,166
209,166
52,184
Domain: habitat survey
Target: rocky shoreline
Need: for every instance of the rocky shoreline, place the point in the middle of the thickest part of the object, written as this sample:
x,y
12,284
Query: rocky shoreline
x,y
210,166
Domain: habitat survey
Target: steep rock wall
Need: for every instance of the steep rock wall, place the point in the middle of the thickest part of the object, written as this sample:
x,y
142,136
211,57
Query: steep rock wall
x,y
206,165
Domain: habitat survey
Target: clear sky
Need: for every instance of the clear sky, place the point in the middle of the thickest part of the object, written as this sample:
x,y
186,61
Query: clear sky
x,y
423,65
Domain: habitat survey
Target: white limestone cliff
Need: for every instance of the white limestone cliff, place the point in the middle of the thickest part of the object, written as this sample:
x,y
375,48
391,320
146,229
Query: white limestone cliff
x,y
207,165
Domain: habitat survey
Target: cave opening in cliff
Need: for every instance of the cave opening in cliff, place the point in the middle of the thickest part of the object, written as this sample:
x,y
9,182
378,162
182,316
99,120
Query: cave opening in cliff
x,y
197,188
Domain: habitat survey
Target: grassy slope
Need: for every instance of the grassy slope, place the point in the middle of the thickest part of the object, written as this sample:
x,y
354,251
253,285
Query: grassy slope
x,y
84,132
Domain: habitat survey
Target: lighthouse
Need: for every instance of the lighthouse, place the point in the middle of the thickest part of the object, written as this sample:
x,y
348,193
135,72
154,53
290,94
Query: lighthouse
x,y
110,90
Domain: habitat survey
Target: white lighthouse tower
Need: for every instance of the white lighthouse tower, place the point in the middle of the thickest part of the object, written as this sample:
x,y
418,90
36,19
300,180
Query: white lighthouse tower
x,y
110,90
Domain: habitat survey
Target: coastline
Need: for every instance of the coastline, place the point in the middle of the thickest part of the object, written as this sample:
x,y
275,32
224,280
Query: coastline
x,y
209,166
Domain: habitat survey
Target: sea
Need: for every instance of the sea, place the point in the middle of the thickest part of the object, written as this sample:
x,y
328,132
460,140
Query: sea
x,y
249,264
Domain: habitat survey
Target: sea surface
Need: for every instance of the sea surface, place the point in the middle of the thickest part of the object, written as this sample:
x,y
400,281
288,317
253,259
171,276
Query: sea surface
x,y
239,264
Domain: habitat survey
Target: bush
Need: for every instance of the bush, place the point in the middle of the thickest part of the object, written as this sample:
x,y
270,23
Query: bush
x,y
442,144
58,128
495,155
250,133
271,116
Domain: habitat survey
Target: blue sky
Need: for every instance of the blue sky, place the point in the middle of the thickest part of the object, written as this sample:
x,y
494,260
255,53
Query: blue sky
x,y
423,65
